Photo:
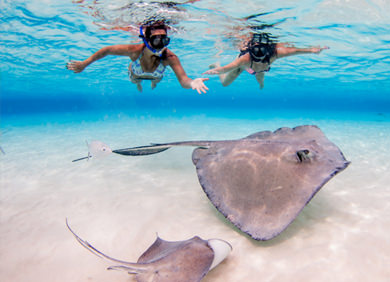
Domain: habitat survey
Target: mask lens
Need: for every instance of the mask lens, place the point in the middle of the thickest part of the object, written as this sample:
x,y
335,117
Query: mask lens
x,y
256,50
159,41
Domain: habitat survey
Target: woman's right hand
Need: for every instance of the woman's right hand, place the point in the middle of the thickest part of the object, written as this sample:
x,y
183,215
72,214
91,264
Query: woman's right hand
x,y
212,71
76,66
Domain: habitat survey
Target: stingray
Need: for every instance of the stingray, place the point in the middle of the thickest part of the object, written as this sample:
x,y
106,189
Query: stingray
x,y
261,182
96,149
167,261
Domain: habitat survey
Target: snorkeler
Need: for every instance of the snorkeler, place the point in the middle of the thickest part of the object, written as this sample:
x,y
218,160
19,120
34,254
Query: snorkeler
x,y
256,57
149,59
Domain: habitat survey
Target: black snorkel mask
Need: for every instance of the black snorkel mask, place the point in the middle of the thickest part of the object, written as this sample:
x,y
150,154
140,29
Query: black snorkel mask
x,y
157,42
260,48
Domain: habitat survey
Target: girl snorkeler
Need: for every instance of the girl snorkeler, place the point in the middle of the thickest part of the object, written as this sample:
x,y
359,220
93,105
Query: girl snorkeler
x,y
256,57
149,59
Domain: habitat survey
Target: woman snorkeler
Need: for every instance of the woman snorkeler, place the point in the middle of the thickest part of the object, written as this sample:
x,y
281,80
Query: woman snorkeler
x,y
256,57
149,59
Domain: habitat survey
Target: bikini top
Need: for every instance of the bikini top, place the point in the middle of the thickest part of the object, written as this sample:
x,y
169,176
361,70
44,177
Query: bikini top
x,y
136,69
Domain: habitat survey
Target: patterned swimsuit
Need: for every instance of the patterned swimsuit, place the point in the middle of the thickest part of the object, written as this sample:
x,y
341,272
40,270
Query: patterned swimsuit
x,y
136,72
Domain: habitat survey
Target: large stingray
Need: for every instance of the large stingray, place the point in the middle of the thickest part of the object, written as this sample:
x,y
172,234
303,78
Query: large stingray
x,y
164,261
263,181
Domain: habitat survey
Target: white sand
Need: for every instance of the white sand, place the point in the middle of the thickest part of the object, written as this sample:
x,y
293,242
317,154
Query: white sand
x,y
119,203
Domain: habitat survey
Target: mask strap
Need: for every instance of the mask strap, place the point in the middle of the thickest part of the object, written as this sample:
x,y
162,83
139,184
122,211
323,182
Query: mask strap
x,y
159,53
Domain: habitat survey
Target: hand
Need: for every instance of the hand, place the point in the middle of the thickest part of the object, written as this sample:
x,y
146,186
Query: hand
x,y
212,71
76,66
318,49
198,85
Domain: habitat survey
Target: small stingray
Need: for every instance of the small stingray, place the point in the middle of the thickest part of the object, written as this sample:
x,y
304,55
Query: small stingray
x,y
263,181
96,149
165,261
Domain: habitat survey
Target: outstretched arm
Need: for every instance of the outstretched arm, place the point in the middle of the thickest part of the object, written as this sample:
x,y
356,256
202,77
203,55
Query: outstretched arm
x,y
186,82
119,50
284,50
231,66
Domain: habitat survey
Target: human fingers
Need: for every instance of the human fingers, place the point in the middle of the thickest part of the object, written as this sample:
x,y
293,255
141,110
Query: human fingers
x,y
212,71
203,88
72,65
68,65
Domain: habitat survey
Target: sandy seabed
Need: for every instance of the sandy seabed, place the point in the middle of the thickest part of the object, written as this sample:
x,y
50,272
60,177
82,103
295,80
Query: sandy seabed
x,y
120,203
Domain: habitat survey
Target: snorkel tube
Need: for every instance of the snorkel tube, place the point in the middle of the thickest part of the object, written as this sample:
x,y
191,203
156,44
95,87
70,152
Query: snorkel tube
x,y
141,35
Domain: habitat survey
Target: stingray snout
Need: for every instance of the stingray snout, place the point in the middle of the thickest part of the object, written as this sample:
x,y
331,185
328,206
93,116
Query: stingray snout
x,y
221,250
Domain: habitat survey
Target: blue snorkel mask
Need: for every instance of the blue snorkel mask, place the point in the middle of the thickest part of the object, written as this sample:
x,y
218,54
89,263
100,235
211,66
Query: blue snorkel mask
x,y
157,42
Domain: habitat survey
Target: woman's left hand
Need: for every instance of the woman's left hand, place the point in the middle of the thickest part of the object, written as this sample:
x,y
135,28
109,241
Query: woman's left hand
x,y
198,85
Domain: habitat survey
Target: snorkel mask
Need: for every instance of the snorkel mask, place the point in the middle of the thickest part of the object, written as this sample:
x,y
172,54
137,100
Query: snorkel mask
x,y
157,42
259,48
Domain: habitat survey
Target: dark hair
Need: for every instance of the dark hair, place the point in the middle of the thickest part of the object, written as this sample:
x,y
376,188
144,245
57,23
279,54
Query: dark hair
x,y
154,26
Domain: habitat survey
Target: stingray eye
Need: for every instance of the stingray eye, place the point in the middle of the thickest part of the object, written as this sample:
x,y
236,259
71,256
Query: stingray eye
x,y
303,155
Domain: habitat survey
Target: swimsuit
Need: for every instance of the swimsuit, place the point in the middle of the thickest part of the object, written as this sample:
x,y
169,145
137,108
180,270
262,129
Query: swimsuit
x,y
136,69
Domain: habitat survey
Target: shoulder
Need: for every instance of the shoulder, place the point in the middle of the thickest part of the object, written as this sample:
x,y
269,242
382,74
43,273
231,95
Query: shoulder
x,y
242,60
170,57
135,50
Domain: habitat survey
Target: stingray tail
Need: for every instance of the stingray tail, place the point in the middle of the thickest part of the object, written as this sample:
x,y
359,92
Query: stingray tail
x,y
132,268
135,269
157,148
143,150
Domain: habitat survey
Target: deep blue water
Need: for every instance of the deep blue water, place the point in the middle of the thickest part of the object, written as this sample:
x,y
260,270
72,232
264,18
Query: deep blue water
x,y
38,38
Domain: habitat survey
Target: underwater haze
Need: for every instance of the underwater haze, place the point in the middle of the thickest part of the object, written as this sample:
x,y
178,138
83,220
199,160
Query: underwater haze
x,y
119,203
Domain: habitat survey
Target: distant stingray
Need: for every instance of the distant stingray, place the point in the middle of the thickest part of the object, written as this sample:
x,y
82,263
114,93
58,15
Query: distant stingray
x,y
263,181
96,149
165,261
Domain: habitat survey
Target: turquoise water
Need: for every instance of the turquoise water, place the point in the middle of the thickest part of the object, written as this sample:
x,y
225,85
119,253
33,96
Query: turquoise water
x,y
38,38
119,203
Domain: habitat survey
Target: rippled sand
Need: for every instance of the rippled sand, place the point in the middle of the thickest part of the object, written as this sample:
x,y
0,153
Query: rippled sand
x,y
119,203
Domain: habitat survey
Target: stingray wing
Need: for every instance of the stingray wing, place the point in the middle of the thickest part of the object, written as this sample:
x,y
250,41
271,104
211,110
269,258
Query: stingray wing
x,y
262,182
